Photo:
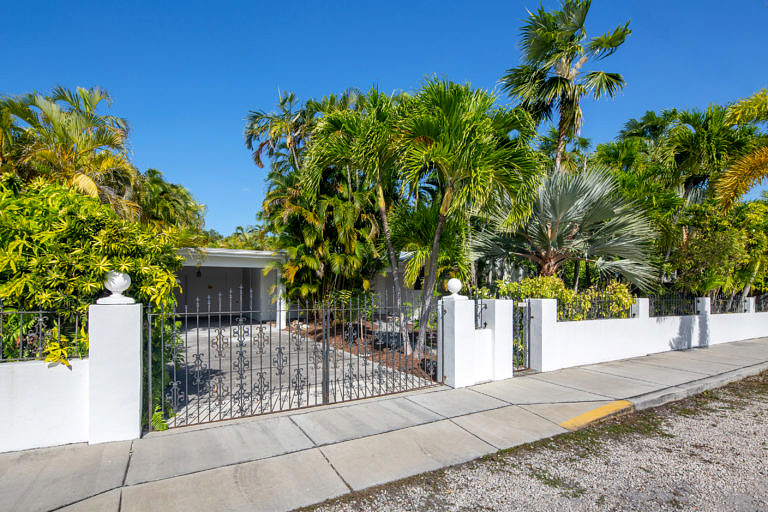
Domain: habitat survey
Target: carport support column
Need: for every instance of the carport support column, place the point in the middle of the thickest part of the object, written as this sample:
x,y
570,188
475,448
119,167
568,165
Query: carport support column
x,y
281,308
115,371
543,324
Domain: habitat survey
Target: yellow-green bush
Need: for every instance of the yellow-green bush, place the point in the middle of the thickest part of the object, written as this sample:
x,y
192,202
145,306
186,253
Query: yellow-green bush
x,y
571,305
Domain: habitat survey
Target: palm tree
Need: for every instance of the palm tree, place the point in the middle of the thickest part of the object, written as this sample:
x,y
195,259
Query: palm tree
x,y
704,145
290,127
555,48
412,232
455,136
364,142
167,204
753,166
65,139
576,217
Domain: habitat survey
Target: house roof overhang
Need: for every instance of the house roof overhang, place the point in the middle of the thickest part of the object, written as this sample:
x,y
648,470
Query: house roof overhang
x,y
237,258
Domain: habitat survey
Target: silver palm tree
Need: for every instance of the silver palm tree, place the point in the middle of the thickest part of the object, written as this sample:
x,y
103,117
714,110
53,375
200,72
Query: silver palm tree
x,y
576,217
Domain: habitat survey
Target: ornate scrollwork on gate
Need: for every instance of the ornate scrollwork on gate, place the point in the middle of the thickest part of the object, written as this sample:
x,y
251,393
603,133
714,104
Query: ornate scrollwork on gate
x,y
260,339
299,383
242,399
349,380
198,368
219,391
297,340
220,342
241,364
261,389
280,360
175,395
317,356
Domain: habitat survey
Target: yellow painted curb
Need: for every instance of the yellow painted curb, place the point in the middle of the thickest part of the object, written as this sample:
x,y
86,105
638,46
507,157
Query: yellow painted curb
x,y
604,411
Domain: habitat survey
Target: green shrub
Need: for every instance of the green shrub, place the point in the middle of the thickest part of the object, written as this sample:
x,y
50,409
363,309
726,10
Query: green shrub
x,y
571,305
57,245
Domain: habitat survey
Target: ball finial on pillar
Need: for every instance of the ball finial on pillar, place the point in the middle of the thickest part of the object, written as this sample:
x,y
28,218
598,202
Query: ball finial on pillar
x,y
117,283
453,286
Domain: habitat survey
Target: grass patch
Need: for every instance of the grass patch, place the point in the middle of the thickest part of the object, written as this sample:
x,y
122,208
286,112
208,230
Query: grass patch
x,y
571,489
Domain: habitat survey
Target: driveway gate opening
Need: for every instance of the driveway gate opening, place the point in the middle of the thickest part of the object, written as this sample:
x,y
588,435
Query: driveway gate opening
x,y
228,360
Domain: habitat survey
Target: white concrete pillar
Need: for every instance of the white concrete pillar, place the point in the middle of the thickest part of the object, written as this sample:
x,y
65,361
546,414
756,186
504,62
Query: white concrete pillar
x,y
115,373
703,312
542,326
455,341
703,306
500,316
641,308
749,305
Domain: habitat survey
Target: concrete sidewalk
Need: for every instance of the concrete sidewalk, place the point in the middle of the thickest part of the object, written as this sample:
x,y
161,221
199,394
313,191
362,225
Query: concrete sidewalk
x,y
289,460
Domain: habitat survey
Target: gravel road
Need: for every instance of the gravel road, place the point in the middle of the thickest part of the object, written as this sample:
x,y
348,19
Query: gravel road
x,y
708,452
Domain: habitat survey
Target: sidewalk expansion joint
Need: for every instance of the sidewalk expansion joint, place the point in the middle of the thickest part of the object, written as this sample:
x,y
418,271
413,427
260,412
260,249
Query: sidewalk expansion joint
x,y
335,470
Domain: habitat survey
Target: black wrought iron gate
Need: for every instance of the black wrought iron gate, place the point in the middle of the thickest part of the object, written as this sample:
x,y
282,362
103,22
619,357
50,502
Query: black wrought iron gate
x,y
227,359
522,334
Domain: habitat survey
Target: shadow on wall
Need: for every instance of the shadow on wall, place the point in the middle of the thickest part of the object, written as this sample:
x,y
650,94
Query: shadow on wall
x,y
684,338
686,331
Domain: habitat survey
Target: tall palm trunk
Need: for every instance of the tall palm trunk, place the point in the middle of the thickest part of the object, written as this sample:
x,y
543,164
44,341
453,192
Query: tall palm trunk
x,y
394,264
429,283
576,271
561,132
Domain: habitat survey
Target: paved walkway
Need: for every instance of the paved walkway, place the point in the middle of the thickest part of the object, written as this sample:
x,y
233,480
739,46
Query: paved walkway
x,y
280,462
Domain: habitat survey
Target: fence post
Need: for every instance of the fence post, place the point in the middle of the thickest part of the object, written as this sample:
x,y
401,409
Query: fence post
x,y
455,339
640,308
543,323
115,358
703,312
500,316
749,305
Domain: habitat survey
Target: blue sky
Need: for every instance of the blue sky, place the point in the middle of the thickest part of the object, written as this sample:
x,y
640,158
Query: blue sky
x,y
186,74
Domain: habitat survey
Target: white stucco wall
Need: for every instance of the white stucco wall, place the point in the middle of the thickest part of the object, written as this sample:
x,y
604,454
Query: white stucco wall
x,y
41,405
737,326
556,345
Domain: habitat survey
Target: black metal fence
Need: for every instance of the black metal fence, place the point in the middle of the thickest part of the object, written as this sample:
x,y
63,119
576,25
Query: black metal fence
x,y
522,334
29,335
727,303
672,304
596,306
480,308
214,363
761,303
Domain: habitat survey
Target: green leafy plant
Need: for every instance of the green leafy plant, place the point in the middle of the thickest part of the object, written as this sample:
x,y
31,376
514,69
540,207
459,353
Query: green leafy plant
x,y
56,245
616,296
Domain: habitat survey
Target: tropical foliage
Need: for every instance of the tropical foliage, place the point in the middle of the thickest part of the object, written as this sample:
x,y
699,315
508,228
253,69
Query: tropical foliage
x,y
614,300
59,244
577,217
555,48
